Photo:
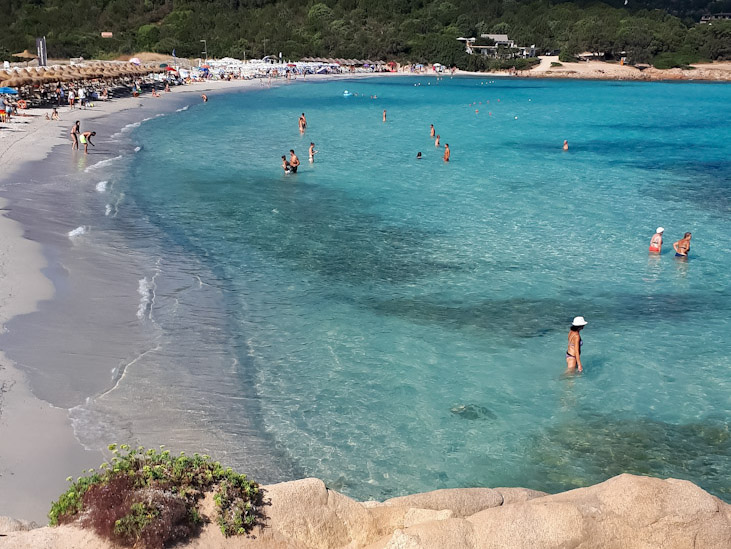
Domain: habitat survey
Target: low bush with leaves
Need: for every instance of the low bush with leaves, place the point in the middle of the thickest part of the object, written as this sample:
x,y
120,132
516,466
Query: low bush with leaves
x,y
149,498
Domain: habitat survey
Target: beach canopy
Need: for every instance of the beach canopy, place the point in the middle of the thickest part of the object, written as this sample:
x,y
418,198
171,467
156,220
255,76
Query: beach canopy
x,y
9,91
25,54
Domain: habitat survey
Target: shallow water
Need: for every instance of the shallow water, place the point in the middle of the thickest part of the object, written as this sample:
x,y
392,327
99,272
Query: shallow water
x,y
392,325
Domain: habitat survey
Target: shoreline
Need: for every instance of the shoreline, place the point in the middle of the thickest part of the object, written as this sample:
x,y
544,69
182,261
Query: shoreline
x,y
40,447
17,401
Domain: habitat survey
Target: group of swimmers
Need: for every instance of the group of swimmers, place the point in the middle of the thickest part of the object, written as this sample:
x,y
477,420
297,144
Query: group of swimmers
x,y
291,165
77,136
573,352
681,247
433,135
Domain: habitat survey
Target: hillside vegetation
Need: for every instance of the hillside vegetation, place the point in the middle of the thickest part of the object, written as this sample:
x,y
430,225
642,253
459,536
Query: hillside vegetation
x,y
664,32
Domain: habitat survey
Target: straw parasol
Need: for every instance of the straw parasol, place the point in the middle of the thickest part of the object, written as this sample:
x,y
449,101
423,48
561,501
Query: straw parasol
x,y
25,54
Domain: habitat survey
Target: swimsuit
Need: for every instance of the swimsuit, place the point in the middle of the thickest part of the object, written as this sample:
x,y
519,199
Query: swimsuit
x,y
581,343
681,255
654,249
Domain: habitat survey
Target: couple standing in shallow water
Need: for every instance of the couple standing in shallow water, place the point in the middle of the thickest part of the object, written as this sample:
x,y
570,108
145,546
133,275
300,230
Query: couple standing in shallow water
x,y
681,247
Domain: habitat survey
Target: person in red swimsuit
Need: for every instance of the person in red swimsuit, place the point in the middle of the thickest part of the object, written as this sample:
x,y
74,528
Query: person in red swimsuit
x,y
656,240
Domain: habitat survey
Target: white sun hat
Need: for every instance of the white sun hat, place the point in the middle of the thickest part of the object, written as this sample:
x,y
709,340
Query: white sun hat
x,y
659,230
579,321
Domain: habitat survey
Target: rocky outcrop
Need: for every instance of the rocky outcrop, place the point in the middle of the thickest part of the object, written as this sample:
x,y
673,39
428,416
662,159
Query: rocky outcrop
x,y
625,512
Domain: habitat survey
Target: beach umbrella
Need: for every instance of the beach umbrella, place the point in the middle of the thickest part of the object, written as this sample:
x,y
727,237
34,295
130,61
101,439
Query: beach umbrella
x,y
9,91
25,54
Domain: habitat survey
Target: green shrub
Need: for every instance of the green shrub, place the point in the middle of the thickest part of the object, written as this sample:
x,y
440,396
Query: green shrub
x,y
567,57
554,64
670,60
148,498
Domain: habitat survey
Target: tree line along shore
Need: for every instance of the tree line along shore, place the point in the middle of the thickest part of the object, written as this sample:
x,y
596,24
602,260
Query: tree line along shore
x,y
418,31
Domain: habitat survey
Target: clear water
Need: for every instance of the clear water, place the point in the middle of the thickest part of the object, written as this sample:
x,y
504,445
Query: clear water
x,y
400,325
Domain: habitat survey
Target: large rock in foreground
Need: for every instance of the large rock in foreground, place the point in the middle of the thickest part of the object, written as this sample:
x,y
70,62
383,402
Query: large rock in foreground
x,y
625,512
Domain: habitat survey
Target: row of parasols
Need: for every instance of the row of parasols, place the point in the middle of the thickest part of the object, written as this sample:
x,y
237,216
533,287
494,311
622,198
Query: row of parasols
x,y
342,61
35,76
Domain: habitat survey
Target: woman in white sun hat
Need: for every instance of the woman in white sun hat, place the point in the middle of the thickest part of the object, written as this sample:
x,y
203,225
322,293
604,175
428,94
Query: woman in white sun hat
x,y
573,353
656,240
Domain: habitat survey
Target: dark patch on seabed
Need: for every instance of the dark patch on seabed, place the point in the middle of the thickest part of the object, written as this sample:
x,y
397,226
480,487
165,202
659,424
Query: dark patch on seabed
x,y
523,317
323,233
591,448
704,184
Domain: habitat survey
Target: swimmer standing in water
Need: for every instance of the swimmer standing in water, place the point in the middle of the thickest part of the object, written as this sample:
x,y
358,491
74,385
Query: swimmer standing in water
x,y
656,240
204,97
432,132
446,152
418,155
285,165
294,162
436,143
573,353
565,145
682,246
384,115
312,151
302,123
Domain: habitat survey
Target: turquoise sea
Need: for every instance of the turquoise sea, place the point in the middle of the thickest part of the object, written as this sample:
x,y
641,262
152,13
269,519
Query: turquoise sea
x,y
394,325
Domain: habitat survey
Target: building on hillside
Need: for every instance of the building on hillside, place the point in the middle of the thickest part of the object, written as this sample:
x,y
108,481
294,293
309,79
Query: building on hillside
x,y
716,17
501,47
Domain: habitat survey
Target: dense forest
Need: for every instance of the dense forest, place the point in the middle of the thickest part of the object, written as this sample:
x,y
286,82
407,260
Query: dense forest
x,y
663,32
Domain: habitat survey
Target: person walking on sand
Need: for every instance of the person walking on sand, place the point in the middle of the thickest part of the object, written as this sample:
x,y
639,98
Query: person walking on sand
x,y
573,353
294,162
432,132
312,152
446,152
565,144
656,240
85,139
682,246
72,97
75,131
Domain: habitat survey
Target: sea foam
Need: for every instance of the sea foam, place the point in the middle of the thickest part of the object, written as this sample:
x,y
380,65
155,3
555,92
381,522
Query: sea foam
x,y
78,231
101,186
102,163
146,289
